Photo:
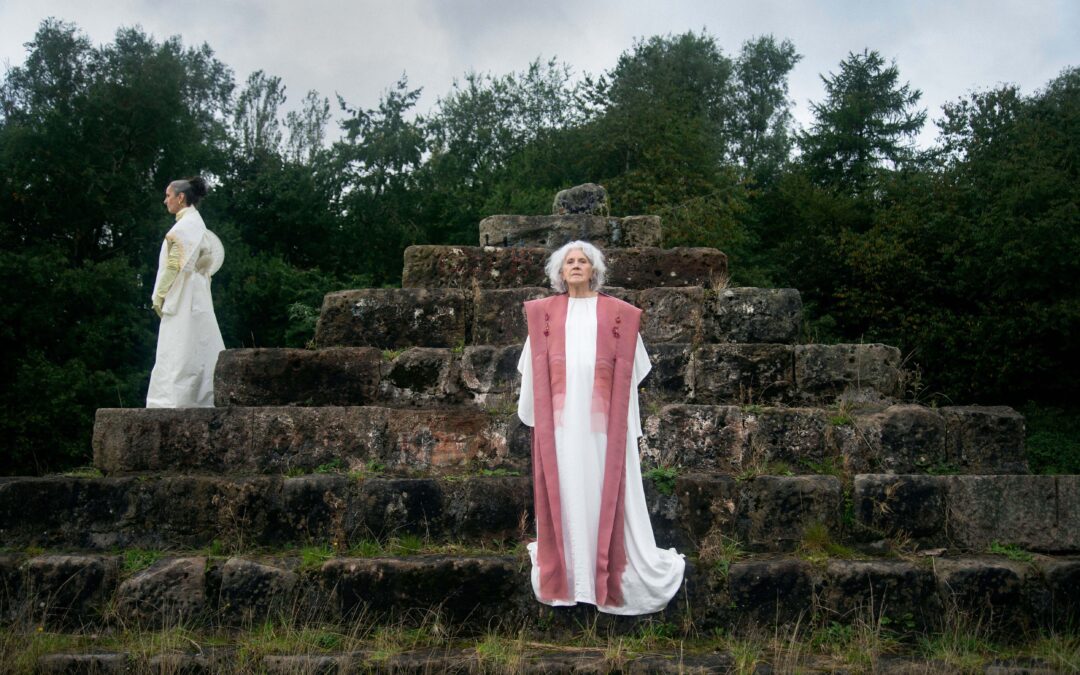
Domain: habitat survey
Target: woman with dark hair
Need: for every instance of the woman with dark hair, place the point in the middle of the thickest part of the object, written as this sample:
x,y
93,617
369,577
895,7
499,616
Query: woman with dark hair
x,y
189,339
580,370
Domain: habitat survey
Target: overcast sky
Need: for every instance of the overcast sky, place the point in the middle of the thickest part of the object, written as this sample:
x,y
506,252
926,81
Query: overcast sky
x,y
360,48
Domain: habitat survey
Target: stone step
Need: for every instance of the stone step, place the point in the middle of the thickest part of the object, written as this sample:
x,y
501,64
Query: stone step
x,y
478,594
486,376
437,441
552,232
690,511
445,441
472,267
394,318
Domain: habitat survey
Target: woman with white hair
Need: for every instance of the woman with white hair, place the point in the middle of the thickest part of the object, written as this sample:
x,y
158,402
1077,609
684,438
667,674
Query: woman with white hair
x,y
580,367
189,339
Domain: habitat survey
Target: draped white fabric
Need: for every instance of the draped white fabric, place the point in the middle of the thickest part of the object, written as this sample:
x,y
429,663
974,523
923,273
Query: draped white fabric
x,y
652,575
189,339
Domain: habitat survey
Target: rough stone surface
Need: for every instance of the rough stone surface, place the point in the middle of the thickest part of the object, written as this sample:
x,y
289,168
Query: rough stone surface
x,y
252,592
868,590
11,587
499,317
337,376
775,511
990,592
1020,510
584,198
753,315
468,591
167,593
420,376
552,232
771,591
985,439
95,664
469,268
671,314
1063,584
487,372
69,590
671,377
280,439
890,506
900,439
390,318
860,372
743,373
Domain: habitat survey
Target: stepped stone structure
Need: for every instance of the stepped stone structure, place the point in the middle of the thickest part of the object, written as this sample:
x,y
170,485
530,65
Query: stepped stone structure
x,y
795,477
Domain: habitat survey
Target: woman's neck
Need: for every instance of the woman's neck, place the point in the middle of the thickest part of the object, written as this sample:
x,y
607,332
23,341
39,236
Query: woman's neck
x,y
579,292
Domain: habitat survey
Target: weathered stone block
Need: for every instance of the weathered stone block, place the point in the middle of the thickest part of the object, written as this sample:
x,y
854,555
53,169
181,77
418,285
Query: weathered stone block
x,y
551,232
671,376
1020,510
97,664
11,586
141,439
913,506
336,376
499,317
695,436
775,511
634,268
900,439
1063,584
69,589
193,511
985,439
771,591
253,592
990,592
168,592
584,198
752,315
743,373
497,508
859,372
487,371
55,511
471,592
420,376
870,590
797,438
706,505
315,508
390,318
671,314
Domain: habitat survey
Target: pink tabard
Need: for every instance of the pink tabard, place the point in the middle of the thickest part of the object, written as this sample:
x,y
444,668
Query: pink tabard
x,y
617,325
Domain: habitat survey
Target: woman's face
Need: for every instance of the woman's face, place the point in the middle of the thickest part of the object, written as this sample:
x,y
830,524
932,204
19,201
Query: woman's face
x,y
174,201
577,269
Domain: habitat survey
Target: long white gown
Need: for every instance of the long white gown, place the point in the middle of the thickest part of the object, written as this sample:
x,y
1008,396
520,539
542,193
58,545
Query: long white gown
x,y
189,339
652,575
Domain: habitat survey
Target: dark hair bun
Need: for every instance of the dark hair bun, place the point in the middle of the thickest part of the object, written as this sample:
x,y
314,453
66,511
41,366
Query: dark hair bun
x,y
198,186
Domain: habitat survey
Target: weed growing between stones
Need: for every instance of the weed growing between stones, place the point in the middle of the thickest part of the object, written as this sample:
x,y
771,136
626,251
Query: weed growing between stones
x,y
1011,551
138,559
84,472
719,551
817,545
663,479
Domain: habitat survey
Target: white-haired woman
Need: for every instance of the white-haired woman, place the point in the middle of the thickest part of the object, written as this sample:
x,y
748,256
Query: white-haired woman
x,y
189,339
581,366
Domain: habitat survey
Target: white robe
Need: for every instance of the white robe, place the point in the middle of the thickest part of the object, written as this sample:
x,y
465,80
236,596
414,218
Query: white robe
x,y
189,339
652,575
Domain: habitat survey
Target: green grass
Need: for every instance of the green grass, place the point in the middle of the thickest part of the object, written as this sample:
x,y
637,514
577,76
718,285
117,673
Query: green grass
x,y
137,559
1010,551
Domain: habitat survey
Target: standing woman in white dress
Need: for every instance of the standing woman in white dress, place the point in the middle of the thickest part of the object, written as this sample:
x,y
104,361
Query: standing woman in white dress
x,y
581,366
189,339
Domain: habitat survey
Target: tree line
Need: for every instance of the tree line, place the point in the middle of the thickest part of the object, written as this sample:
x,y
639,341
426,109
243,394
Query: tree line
x,y
964,255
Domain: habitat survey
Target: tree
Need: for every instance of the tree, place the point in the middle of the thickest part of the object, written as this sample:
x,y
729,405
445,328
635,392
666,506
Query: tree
x,y
307,128
763,136
867,120
258,129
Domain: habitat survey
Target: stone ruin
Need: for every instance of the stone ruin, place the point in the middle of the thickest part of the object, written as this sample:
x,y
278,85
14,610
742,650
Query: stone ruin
x,y
401,423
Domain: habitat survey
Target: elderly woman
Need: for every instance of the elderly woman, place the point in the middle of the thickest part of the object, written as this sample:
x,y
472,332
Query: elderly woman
x,y
580,367
189,339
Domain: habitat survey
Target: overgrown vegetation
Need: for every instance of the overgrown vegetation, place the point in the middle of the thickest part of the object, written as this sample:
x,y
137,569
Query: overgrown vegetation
x,y
962,255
